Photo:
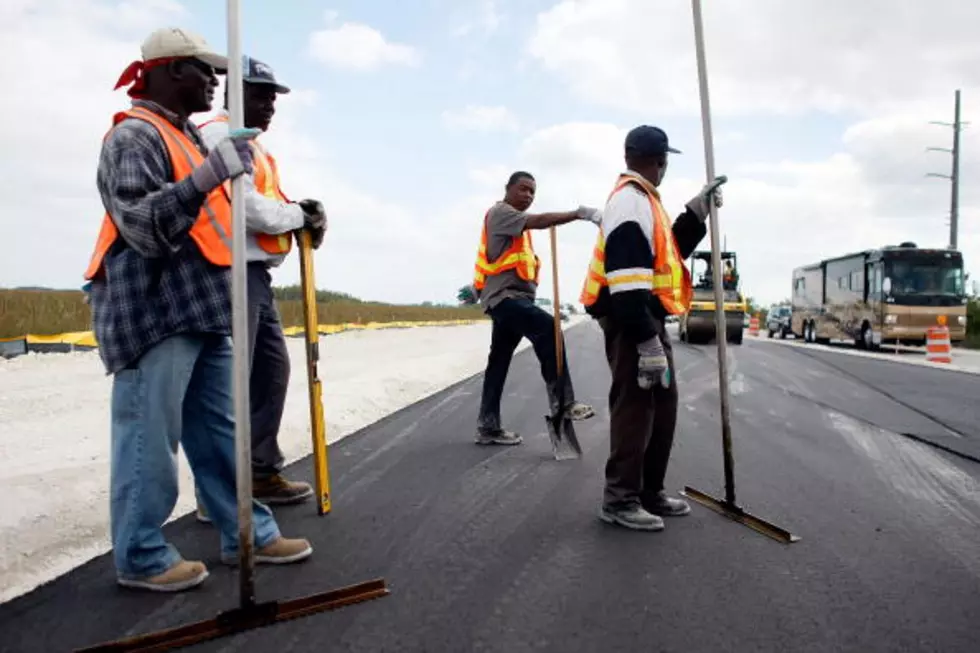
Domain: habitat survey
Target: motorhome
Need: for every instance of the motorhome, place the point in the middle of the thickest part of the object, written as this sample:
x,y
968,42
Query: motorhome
x,y
887,295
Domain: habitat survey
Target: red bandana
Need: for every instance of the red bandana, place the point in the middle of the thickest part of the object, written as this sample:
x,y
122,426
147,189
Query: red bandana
x,y
135,75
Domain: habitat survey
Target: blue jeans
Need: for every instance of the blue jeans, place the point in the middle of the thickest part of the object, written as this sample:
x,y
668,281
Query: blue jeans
x,y
178,392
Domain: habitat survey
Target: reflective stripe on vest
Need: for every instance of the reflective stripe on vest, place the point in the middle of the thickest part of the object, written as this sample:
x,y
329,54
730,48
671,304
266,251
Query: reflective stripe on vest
x,y
211,231
519,256
670,281
267,183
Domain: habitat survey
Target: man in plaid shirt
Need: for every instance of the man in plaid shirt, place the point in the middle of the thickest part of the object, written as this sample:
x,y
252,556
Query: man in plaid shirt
x,y
160,296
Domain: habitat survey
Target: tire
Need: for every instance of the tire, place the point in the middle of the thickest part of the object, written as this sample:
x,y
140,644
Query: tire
x,y
771,333
867,339
783,333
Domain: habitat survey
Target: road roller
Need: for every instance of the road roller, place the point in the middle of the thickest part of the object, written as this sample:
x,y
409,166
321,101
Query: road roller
x,y
697,326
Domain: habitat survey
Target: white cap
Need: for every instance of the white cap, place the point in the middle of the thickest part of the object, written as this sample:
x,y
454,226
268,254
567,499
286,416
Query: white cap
x,y
176,42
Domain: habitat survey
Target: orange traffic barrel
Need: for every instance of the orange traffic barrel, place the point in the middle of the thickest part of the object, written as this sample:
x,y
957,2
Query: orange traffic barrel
x,y
754,325
938,347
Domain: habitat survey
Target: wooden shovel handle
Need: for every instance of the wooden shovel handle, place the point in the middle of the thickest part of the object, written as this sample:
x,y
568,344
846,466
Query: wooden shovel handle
x,y
556,300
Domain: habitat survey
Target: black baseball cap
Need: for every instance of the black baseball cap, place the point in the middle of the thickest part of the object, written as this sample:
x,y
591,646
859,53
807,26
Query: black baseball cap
x,y
258,72
648,141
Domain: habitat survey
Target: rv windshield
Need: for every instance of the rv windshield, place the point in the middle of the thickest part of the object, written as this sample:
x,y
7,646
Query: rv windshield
x,y
925,277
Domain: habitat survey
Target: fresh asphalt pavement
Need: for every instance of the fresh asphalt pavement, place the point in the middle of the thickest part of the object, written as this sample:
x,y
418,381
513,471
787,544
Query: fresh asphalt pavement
x,y
499,549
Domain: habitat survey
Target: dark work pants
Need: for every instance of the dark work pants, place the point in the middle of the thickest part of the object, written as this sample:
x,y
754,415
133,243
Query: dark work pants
x,y
641,423
514,319
269,376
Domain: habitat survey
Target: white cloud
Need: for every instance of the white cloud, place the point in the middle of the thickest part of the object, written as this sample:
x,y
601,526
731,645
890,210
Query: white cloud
x,y
763,55
893,63
481,118
48,187
52,127
777,215
358,47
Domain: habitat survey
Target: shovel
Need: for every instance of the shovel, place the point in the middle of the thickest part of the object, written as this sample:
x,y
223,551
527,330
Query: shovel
x,y
564,442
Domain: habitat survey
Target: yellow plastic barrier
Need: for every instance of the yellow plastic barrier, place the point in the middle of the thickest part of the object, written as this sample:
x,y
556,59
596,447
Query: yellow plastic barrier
x,y
86,339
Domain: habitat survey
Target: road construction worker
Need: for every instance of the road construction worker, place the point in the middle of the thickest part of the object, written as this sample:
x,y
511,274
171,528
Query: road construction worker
x,y
635,280
505,282
729,278
161,310
270,219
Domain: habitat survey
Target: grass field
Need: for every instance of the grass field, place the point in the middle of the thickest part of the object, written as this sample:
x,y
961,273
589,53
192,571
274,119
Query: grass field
x,y
50,312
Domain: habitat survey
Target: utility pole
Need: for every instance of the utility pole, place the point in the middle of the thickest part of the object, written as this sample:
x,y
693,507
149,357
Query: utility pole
x,y
954,176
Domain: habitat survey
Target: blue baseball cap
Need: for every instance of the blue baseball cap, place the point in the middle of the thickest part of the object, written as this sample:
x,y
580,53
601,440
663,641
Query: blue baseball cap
x,y
258,72
648,141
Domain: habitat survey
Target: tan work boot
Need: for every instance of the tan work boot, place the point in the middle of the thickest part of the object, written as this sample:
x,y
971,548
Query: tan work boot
x,y
183,575
283,551
276,490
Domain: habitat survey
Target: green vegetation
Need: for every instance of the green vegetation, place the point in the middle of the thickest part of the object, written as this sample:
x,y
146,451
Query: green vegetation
x,y
973,323
50,312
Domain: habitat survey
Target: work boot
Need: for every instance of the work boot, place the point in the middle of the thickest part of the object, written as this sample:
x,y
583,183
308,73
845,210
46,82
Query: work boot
x,y
665,506
501,436
282,551
633,516
183,575
276,490
578,411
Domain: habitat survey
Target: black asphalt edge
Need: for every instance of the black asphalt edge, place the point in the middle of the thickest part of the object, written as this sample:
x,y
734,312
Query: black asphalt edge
x,y
803,350
888,394
433,396
947,449
918,438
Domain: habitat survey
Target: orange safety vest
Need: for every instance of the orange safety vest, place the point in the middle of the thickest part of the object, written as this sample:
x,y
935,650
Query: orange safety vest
x,y
519,257
212,230
670,281
267,183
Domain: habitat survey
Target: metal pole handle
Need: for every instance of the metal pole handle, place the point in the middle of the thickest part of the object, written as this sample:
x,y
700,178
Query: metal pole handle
x,y
721,331
239,329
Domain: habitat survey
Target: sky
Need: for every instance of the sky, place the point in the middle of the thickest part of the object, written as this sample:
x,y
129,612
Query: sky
x,y
406,119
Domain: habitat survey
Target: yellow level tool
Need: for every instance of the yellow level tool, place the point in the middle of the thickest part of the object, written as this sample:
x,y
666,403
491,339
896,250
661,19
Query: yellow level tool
x,y
318,427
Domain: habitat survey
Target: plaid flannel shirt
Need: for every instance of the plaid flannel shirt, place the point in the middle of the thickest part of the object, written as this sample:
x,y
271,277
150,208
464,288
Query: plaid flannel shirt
x,y
157,284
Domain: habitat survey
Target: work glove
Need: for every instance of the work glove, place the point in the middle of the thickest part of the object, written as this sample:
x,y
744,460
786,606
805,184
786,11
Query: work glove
x,y
699,203
230,158
316,220
652,366
588,213
468,294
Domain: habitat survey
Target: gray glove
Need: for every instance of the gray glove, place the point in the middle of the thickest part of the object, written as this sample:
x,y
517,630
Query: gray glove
x,y
588,213
699,203
652,366
316,220
230,158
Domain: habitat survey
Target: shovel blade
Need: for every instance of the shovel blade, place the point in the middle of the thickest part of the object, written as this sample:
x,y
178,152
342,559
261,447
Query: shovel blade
x,y
564,442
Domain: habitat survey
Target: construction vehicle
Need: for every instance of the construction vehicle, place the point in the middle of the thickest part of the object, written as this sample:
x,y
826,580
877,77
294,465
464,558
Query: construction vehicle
x,y
697,325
